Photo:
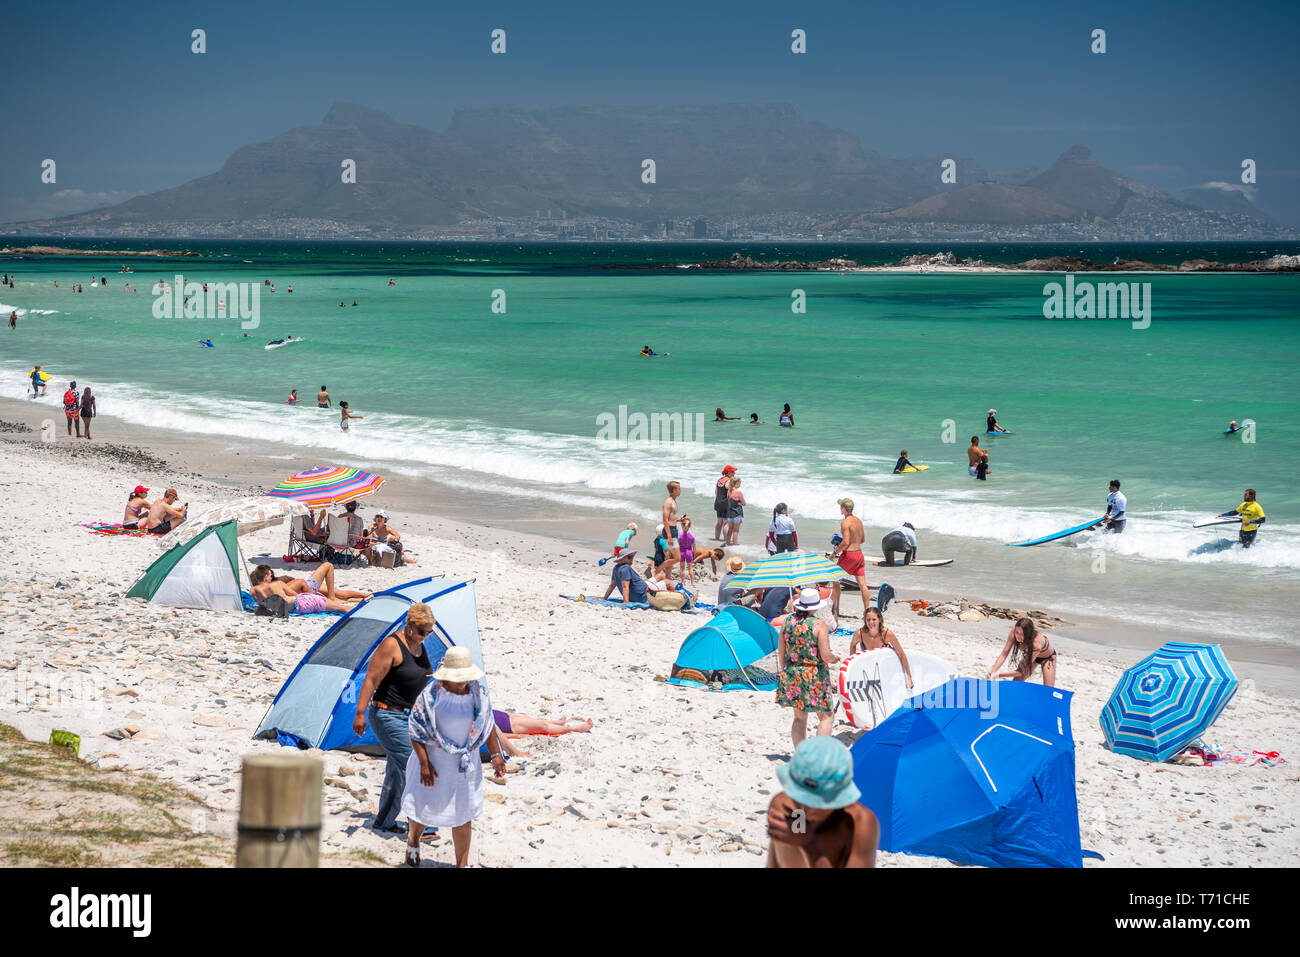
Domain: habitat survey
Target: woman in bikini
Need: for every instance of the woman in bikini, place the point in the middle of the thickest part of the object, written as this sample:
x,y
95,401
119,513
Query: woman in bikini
x,y
873,634
1027,649
137,507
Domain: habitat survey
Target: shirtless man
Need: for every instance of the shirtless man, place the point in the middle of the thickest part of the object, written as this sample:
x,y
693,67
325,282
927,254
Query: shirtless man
x,y
164,514
973,454
848,555
307,595
670,509
817,820
322,399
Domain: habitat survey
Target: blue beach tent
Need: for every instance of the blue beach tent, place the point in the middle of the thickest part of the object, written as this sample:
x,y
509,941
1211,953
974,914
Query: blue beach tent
x,y
724,649
318,703
978,772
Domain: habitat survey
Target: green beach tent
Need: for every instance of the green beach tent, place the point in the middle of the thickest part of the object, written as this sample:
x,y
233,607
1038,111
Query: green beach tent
x,y
201,573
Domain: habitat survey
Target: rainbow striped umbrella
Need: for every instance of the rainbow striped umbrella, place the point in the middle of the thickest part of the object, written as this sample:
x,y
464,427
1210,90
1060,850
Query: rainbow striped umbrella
x,y
328,485
1167,700
789,569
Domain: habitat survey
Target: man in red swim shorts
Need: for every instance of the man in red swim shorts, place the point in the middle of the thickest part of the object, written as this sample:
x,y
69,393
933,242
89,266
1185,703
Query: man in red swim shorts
x,y
848,554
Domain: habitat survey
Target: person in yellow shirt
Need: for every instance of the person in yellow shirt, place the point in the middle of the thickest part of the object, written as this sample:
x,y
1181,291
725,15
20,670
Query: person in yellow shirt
x,y
1252,517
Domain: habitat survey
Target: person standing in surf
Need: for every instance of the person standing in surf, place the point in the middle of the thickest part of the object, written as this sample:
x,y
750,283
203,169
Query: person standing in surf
x,y
322,399
719,500
848,554
787,417
346,416
973,454
1252,517
1116,509
993,421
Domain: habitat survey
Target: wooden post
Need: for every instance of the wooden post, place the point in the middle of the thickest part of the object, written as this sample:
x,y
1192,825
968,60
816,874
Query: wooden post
x,y
279,811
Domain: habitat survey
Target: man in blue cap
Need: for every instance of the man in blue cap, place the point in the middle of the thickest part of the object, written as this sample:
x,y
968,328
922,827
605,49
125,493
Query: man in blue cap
x,y
817,820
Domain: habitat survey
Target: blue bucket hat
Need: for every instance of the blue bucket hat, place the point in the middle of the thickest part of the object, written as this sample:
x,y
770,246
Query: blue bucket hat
x,y
820,774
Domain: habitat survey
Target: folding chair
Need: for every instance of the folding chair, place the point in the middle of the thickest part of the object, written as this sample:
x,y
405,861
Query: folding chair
x,y
301,550
340,541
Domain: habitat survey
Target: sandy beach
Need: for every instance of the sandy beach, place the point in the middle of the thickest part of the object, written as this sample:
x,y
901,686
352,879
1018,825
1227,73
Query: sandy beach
x,y
668,776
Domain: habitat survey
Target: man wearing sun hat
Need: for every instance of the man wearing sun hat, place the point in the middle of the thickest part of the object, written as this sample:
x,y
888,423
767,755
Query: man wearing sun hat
x,y
625,579
817,821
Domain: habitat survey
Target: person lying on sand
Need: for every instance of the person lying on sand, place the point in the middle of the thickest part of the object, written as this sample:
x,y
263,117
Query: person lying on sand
x,y
164,514
512,725
817,820
307,595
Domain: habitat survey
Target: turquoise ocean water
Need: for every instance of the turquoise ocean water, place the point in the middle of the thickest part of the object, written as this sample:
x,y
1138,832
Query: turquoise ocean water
x,y
510,403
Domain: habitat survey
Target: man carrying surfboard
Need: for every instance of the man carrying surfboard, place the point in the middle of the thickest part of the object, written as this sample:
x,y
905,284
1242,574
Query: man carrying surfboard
x,y
1252,517
848,555
1116,509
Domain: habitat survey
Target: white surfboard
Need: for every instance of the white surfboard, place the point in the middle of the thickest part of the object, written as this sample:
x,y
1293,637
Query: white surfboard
x,y
1217,520
872,684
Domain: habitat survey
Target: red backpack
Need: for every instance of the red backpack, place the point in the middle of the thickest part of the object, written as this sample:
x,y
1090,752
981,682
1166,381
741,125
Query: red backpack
x,y
71,401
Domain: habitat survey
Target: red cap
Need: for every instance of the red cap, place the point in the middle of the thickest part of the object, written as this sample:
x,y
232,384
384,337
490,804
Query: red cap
x,y
729,468
140,490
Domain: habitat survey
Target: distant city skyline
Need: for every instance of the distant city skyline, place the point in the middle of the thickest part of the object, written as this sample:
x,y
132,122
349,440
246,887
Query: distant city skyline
x,y
1184,93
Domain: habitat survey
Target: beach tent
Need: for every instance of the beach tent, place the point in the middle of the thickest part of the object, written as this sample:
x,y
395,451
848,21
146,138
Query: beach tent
x,y
201,573
977,772
317,704
724,649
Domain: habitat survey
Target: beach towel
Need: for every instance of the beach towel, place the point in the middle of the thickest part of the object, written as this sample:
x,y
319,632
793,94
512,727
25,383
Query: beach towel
x,y
700,609
1198,754
106,528
250,604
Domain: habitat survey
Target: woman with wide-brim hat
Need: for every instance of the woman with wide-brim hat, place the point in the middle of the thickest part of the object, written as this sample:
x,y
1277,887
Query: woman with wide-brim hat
x,y
451,720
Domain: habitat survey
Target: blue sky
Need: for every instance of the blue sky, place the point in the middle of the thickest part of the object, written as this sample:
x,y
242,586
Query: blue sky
x,y
1184,93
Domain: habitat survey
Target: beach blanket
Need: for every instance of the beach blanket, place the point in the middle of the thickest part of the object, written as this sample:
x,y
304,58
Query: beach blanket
x,y
752,678
105,528
698,609
250,605
1198,754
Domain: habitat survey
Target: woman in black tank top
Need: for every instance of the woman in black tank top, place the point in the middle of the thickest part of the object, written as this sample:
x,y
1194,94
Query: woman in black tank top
x,y
399,670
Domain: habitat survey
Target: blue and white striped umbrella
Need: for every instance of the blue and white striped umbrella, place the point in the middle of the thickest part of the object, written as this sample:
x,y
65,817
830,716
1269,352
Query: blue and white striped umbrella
x,y
1167,700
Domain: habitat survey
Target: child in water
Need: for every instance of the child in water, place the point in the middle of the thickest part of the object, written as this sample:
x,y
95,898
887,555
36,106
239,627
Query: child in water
x,y
346,415
982,470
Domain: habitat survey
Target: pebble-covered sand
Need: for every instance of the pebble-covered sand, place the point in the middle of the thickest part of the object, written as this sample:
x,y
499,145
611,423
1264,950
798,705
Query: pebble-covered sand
x,y
668,776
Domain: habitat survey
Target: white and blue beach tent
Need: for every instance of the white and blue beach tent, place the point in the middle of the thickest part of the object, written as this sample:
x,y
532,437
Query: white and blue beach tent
x,y
317,705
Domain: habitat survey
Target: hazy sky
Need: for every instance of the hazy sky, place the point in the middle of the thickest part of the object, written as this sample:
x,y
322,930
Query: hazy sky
x,y
1185,92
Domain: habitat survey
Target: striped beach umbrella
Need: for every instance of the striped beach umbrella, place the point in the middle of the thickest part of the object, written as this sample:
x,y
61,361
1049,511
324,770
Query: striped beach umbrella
x,y
1167,700
328,485
789,569
251,514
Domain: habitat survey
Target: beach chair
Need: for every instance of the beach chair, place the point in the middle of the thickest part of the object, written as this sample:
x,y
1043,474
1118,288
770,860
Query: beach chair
x,y
301,550
340,542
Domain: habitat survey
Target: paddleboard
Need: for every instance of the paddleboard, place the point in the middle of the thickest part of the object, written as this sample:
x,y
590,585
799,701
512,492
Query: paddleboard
x,y
915,468
1093,523
1233,431
921,563
872,684
999,433
1235,520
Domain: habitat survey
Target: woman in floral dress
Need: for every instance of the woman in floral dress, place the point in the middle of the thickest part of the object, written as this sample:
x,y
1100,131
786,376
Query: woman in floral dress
x,y
802,656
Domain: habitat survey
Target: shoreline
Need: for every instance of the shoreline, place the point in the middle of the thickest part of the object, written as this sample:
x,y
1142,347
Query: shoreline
x,y
668,776
581,534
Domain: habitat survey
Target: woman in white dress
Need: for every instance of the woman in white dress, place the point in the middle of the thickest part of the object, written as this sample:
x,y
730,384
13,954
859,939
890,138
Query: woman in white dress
x,y
451,720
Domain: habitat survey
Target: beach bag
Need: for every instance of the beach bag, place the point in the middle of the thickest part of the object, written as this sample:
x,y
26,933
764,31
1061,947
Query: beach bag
x,y
667,600
273,606
71,401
